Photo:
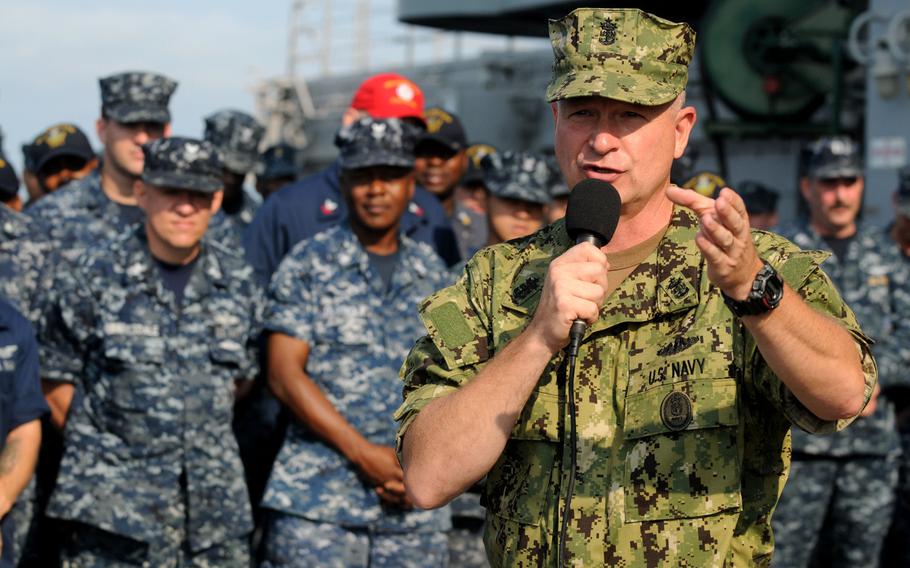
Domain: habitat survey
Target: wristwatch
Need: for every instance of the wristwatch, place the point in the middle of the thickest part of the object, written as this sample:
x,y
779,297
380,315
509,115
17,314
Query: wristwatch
x,y
767,290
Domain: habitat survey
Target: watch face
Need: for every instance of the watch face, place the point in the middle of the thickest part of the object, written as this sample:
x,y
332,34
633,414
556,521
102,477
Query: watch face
x,y
773,290
767,291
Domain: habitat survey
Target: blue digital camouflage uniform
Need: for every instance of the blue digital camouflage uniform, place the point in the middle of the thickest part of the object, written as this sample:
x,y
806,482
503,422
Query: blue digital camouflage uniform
x,y
326,293
22,253
157,388
78,215
150,468
841,490
358,328
683,430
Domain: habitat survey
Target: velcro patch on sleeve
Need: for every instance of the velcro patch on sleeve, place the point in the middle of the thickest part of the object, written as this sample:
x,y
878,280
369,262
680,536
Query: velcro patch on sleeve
x,y
450,325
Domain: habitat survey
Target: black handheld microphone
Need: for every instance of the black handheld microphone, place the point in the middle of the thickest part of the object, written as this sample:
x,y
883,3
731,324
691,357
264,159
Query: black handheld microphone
x,y
591,217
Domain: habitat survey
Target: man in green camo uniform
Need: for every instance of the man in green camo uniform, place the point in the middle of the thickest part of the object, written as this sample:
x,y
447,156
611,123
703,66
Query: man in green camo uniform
x,y
705,342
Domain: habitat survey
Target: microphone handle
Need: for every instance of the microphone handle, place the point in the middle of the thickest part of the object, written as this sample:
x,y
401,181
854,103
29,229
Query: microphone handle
x,y
577,331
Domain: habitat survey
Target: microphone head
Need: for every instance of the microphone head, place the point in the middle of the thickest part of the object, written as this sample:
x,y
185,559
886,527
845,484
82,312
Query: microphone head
x,y
593,209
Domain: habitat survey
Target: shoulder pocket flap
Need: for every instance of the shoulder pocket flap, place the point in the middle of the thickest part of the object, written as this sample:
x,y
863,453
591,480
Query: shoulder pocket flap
x,y
685,405
796,267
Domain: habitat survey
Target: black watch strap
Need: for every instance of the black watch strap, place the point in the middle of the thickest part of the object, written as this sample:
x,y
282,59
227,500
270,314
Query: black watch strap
x,y
767,291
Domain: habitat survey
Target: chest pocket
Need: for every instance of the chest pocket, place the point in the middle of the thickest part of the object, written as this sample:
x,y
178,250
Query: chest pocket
x,y
134,368
136,396
681,455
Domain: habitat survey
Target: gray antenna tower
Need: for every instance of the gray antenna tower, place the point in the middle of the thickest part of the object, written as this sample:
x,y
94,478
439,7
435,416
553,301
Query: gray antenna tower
x,y
285,103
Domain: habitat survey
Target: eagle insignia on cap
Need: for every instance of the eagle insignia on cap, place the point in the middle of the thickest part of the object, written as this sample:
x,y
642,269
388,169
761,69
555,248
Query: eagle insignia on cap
x,y
436,118
608,32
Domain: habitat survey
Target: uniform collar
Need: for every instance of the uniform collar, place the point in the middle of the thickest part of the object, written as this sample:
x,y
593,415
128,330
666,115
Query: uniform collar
x,y
208,273
351,254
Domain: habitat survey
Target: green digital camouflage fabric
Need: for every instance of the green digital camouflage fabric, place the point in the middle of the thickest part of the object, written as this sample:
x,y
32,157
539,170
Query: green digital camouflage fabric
x,y
622,54
683,430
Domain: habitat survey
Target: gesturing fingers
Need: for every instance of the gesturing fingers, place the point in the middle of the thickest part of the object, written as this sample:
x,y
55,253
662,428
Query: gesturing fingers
x,y
718,233
690,199
731,212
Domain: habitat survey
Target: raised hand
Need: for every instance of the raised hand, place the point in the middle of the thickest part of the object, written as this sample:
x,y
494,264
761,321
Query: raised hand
x,y
724,239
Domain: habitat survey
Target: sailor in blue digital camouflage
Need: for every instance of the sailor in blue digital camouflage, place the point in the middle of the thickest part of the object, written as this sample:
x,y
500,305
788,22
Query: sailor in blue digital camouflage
x,y
101,206
517,186
151,336
237,136
342,312
838,501
277,167
519,189
704,342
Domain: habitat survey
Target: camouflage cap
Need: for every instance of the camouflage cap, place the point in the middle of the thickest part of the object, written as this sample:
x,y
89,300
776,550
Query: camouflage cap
x,y
377,142
237,136
277,161
517,175
182,163
833,157
623,54
137,96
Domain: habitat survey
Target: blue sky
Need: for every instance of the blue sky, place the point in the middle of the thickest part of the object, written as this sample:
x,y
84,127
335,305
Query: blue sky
x,y
54,51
